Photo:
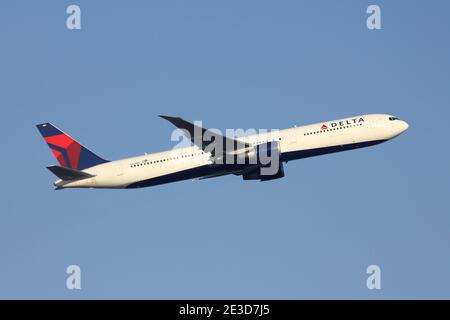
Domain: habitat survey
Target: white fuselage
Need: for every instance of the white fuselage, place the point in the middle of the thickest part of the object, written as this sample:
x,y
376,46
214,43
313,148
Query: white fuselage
x,y
191,162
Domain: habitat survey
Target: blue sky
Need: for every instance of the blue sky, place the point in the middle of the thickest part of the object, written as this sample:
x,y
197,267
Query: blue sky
x,y
232,64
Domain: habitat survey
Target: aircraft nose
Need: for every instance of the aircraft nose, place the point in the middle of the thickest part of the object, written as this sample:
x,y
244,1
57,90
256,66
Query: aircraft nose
x,y
398,127
404,125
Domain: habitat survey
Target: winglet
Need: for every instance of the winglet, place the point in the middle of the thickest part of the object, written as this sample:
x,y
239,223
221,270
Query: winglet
x,y
178,122
169,118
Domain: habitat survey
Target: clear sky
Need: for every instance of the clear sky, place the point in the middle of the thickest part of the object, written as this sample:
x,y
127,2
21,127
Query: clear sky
x,y
231,64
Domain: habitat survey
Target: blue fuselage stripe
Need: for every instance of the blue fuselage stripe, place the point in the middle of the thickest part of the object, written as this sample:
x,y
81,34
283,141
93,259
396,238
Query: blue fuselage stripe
x,y
301,154
206,170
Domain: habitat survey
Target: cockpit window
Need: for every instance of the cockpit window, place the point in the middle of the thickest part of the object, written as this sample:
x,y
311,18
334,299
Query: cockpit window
x,y
393,118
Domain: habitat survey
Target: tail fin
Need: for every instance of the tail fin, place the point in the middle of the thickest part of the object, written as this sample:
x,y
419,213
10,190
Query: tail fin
x,y
69,153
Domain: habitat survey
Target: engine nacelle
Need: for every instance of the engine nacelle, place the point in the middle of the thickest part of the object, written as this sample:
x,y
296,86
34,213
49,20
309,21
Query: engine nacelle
x,y
256,174
278,175
266,157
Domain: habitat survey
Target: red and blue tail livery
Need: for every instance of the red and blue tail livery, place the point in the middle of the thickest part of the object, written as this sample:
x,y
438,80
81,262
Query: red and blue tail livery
x,y
69,152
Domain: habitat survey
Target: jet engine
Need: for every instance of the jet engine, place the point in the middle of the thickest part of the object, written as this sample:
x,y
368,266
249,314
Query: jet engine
x,y
266,158
255,174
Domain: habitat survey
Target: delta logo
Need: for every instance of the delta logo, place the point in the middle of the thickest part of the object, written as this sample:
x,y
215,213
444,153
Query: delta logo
x,y
342,123
347,122
65,149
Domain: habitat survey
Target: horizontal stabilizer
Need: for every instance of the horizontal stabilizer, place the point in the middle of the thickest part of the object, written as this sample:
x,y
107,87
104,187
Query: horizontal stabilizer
x,y
69,174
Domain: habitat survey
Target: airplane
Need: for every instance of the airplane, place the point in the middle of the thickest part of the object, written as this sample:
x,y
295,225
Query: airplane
x,y
81,168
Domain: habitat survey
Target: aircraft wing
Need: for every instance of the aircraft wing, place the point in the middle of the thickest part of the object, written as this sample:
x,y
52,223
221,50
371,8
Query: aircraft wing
x,y
197,134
